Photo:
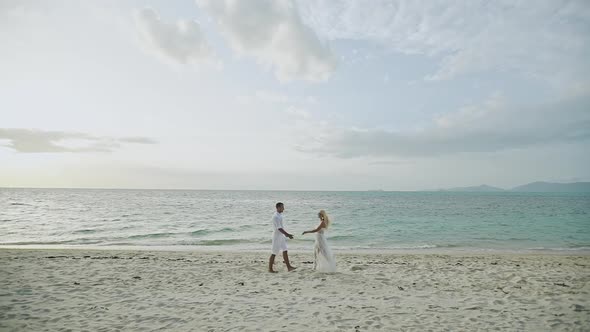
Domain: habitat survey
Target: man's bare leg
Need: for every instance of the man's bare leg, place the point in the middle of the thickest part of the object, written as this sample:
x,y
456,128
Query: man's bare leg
x,y
271,262
286,258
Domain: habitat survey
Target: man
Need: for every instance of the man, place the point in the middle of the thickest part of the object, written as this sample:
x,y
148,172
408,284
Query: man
x,y
279,242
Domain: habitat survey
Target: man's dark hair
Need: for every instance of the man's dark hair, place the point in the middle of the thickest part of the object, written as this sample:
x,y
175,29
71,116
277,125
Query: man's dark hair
x,y
279,204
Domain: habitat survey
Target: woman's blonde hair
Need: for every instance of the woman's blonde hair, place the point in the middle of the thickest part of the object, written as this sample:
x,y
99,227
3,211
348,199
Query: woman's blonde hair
x,y
324,216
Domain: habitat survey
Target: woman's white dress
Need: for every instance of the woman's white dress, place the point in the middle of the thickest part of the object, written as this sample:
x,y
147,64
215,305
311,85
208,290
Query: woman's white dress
x,y
324,260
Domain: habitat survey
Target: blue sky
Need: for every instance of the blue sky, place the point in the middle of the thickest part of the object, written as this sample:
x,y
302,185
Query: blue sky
x,y
319,95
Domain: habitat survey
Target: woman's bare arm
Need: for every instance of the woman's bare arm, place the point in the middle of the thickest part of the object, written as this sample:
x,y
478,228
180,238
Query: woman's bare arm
x,y
317,229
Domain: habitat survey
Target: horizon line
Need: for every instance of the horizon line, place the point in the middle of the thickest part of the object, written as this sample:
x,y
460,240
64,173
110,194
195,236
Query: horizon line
x,y
297,190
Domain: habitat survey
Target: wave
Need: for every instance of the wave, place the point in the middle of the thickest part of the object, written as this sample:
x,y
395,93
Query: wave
x,y
25,243
561,249
220,242
402,247
151,236
130,215
342,237
84,231
233,229
200,232
424,246
28,243
197,233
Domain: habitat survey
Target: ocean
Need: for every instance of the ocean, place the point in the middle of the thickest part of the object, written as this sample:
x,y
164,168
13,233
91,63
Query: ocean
x,y
241,220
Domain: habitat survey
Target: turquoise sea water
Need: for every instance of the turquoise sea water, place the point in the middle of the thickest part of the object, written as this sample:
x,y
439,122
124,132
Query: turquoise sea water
x,y
241,219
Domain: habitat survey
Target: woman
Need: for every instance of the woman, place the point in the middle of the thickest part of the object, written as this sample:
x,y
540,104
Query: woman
x,y
324,260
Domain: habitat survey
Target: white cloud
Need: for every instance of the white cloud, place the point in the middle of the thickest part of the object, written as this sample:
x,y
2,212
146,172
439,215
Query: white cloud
x,y
264,97
490,127
273,33
38,141
181,42
270,97
546,38
298,113
311,100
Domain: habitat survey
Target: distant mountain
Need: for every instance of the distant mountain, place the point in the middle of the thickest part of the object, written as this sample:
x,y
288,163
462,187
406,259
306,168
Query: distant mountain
x,y
540,187
482,188
575,187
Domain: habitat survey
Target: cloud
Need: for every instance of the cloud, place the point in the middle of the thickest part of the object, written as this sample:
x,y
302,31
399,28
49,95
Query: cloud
x,y
390,162
298,113
489,127
273,32
265,97
181,42
16,7
275,98
38,141
139,140
545,38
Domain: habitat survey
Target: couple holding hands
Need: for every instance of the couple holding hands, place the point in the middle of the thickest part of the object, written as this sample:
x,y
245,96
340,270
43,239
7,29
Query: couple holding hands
x,y
323,259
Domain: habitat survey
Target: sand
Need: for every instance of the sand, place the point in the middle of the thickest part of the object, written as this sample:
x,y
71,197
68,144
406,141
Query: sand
x,y
61,290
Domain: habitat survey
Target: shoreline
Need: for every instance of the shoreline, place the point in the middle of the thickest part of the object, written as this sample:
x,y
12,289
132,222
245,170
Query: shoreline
x,y
347,251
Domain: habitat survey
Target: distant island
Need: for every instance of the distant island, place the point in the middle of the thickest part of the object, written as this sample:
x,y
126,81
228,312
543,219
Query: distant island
x,y
540,186
483,187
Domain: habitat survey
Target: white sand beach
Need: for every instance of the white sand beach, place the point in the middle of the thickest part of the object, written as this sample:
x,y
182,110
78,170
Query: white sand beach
x,y
75,290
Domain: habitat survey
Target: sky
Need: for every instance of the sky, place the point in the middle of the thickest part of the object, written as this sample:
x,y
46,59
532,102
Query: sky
x,y
293,95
